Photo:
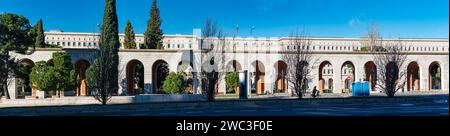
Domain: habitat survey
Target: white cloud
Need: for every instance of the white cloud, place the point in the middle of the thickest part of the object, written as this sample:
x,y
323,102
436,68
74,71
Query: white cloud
x,y
353,22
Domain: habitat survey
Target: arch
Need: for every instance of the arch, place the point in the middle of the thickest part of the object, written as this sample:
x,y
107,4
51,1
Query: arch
x,y
370,70
258,77
347,76
326,71
80,69
135,77
23,87
50,62
27,61
413,77
281,81
435,74
160,70
234,66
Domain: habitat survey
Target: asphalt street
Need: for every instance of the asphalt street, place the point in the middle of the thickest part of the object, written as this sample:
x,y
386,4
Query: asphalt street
x,y
403,109
439,107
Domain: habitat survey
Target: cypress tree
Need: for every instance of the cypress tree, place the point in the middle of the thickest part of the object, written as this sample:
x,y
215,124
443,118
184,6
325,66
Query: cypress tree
x,y
110,41
106,64
153,35
39,33
129,41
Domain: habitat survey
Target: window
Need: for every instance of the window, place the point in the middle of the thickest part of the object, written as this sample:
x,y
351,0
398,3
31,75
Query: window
x,y
190,45
57,43
64,43
168,45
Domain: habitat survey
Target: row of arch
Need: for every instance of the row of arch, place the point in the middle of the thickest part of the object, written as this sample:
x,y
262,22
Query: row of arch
x,y
347,76
160,69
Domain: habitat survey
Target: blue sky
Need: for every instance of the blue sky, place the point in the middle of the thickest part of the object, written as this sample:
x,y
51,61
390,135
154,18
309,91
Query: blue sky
x,y
271,18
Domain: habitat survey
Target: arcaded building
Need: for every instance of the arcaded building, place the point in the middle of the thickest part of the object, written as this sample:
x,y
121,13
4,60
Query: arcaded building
x,y
339,62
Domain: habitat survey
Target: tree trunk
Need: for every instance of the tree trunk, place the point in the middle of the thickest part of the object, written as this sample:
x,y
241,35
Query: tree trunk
x,y
5,91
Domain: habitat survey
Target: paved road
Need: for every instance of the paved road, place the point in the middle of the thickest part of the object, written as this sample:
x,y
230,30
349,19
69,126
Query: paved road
x,y
405,109
439,107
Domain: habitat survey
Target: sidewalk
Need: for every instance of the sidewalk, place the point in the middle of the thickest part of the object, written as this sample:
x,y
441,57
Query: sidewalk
x,y
148,99
338,95
227,104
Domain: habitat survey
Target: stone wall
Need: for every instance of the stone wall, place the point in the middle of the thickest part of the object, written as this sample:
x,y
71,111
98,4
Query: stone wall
x,y
91,101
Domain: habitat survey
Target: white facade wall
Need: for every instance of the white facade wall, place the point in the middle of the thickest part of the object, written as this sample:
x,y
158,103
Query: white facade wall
x,y
248,50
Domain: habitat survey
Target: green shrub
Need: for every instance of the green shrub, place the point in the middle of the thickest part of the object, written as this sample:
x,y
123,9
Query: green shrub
x,y
174,83
232,81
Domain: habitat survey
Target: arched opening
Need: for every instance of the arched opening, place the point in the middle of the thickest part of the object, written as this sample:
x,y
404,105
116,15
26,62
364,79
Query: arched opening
x,y
135,77
258,76
187,69
23,87
160,70
347,76
50,62
281,81
80,69
413,77
232,66
330,85
326,74
371,74
435,73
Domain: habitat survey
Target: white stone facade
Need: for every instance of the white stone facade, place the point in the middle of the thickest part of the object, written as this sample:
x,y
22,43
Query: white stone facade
x,y
247,51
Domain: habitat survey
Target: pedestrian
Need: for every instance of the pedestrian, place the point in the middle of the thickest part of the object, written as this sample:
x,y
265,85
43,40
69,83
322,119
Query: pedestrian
x,y
315,92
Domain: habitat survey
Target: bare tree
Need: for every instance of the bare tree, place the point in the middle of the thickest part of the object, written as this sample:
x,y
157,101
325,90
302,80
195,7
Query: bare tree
x,y
299,59
389,57
213,54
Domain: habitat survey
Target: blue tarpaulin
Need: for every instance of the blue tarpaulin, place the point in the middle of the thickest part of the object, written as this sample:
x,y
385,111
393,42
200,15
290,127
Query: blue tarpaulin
x,y
360,89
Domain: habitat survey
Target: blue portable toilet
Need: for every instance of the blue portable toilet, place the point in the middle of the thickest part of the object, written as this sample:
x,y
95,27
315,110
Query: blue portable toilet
x,y
361,89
